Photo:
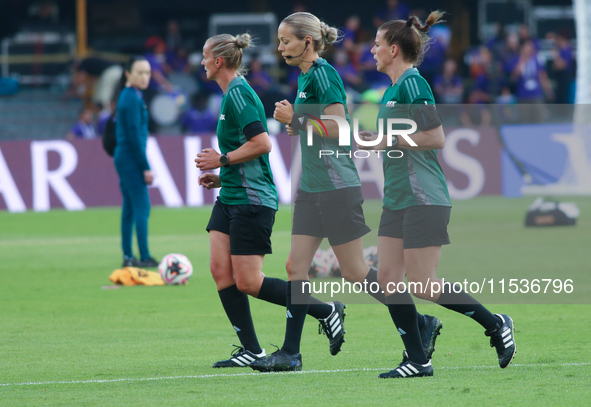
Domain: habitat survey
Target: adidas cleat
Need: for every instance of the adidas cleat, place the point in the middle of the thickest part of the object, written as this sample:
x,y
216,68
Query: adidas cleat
x,y
279,361
409,368
240,358
429,334
503,339
333,326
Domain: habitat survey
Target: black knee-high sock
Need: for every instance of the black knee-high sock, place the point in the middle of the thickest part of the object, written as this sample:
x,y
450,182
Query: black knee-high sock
x,y
297,308
237,309
273,290
372,277
404,314
465,304
421,320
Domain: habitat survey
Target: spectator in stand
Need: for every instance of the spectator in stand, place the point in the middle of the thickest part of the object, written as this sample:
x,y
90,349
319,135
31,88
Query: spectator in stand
x,y
525,35
84,127
95,81
346,71
156,57
258,78
497,43
199,118
505,101
485,83
174,41
506,97
562,66
448,86
350,39
394,10
179,60
434,59
103,117
510,53
530,76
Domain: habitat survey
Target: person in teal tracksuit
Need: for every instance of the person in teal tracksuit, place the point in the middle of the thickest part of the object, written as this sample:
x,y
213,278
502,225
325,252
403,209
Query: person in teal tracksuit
x,y
131,161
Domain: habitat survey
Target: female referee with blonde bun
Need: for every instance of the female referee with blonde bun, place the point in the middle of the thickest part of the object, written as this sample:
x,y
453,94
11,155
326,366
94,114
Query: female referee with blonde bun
x,y
329,201
243,216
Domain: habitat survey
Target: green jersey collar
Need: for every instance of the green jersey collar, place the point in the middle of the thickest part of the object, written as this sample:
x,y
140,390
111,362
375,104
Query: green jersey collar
x,y
235,82
317,63
406,74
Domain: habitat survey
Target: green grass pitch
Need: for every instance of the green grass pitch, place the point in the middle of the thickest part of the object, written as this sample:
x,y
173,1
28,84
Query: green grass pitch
x,y
65,341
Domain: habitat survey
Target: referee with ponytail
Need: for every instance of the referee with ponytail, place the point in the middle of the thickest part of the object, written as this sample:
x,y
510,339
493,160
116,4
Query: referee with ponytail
x,y
329,201
416,210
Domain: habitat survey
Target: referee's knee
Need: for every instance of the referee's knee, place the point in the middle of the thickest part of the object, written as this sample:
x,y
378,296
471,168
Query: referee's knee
x,y
250,286
221,273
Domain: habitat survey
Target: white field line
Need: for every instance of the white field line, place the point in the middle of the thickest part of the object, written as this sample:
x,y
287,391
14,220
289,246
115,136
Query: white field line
x,y
208,376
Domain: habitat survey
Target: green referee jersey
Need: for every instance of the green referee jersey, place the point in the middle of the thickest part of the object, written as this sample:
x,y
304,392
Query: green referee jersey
x,y
250,182
319,87
417,177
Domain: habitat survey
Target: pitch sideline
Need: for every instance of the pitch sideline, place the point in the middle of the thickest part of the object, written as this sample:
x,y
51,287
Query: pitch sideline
x,y
270,373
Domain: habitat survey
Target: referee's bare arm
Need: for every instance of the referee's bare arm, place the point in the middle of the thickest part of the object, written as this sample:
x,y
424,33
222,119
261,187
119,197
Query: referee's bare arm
x,y
254,148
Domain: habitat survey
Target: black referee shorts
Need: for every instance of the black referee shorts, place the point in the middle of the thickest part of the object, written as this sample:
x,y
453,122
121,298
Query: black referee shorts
x,y
418,226
337,215
249,227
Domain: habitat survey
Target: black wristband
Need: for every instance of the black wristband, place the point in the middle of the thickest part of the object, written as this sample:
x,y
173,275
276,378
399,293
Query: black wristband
x,y
298,122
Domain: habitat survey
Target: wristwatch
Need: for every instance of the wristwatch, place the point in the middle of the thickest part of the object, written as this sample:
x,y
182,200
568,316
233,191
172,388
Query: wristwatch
x,y
224,160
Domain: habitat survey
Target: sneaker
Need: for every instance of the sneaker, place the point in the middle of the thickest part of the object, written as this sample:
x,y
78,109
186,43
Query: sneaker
x,y
146,263
333,326
409,368
279,361
503,338
429,334
129,262
240,358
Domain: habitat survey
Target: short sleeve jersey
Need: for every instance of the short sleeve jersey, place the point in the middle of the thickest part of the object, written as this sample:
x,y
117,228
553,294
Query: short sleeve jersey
x,y
417,177
318,88
250,182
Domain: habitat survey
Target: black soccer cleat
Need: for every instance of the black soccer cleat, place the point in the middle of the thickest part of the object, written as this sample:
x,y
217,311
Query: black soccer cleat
x,y
429,334
240,358
503,338
333,326
146,263
129,262
408,368
278,361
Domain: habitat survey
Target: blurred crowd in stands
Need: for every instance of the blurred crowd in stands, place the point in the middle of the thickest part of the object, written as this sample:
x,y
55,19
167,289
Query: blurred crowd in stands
x,y
507,69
